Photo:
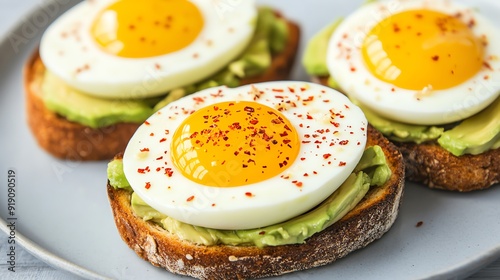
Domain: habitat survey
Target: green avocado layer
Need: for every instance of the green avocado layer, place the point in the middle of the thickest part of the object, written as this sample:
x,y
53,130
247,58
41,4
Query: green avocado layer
x,y
372,170
474,135
270,37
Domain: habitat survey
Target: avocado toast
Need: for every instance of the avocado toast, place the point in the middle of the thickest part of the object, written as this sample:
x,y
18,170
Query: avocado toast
x,y
75,126
460,155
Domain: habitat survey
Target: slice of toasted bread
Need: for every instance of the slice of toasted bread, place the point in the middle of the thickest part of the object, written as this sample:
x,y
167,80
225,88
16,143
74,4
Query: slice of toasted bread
x,y
368,221
72,141
432,165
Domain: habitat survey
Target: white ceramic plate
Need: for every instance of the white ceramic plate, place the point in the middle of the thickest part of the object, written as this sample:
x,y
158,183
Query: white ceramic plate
x,y
63,216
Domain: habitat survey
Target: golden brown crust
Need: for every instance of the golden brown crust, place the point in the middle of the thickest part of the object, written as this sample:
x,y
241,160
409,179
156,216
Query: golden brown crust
x,y
65,139
72,141
368,221
432,165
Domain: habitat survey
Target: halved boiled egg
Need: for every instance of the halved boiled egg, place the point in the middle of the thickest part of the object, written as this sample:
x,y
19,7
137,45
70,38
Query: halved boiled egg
x,y
138,49
417,61
246,157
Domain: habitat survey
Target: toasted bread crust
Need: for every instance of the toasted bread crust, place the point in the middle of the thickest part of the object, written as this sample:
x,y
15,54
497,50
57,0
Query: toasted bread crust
x,y
368,221
432,165
72,141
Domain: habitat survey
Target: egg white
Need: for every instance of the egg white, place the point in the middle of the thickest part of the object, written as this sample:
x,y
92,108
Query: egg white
x,y
78,61
274,200
426,107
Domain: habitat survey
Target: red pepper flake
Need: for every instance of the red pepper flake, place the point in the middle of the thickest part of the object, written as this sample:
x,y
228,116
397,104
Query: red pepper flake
x,y
291,89
262,233
302,159
198,99
346,106
141,170
309,117
310,98
419,224
472,23
353,69
326,156
254,121
299,184
336,124
151,134
342,163
303,89
326,101
249,109
344,142
435,58
283,164
396,28
249,194
189,199
157,66
167,132
213,204
306,175
148,185
169,172
163,140
158,169
147,123
278,90
487,65
287,141
144,150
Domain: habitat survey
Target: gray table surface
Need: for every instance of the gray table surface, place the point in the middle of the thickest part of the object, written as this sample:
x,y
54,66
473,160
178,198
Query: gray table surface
x,y
29,267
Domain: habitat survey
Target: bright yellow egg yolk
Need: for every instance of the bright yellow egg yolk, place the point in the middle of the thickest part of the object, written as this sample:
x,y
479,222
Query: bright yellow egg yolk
x,y
234,144
421,48
137,29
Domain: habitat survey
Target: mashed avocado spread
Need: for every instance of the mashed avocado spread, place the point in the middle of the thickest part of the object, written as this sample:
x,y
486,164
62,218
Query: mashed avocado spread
x,y
270,37
372,170
474,135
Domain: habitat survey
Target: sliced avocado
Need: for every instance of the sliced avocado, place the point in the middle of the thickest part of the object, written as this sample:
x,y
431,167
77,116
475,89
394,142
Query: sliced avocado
x,y
255,59
401,132
279,35
476,134
115,175
89,110
314,59
372,170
